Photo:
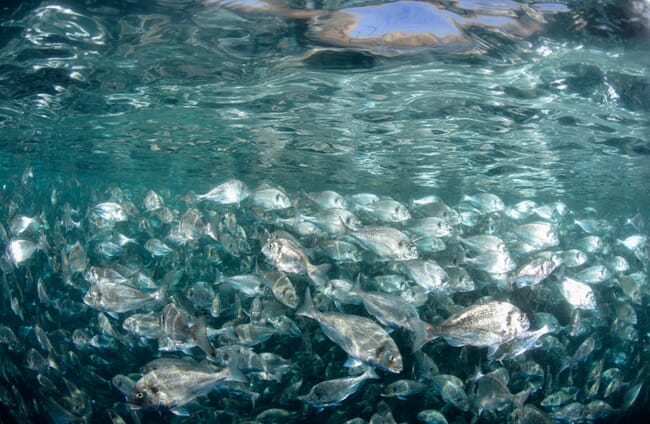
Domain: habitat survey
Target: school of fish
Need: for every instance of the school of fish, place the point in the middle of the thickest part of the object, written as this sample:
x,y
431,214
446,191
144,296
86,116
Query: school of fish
x,y
250,304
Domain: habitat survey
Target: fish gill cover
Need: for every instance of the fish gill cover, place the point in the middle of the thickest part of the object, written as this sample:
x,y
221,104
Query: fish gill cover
x,y
207,217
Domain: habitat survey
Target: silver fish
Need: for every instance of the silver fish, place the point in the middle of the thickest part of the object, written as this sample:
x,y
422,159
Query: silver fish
x,y
20,250
427,274
286,253
386,210
157,248
541,235
492,262
269,198
333,221
340,251
430,227
403,388
110,212
359,337
578,294
175,326
145,325
519,345
227,193
327,199
534,272
153,201
391,310
573,258
484,243
120,298
595,274
451,389
283,289
385,242
484,325
431,416
173,386
333,392
248,284
484,202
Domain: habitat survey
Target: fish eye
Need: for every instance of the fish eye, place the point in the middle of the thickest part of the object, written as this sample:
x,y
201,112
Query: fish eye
x,y
139,395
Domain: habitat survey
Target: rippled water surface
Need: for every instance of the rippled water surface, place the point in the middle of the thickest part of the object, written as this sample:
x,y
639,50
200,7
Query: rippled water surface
x,y
177,96
181,95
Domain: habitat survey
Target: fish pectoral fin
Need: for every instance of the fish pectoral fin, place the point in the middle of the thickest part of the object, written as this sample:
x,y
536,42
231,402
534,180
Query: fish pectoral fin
x,y
352,363
180,411
492,350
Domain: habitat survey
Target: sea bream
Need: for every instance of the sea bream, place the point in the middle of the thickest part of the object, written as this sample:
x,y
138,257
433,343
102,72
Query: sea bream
x,y
483,325
178,382
385,242
333,392
360,337
393,311
288,255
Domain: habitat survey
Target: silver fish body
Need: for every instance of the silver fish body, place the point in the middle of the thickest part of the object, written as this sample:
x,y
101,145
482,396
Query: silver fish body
x,y
386,242
359,337
288,255
484,325
333,392
173,386
119,298
227,193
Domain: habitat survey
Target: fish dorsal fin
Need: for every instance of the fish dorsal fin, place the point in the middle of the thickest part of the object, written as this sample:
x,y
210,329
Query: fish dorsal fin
x,y
307,308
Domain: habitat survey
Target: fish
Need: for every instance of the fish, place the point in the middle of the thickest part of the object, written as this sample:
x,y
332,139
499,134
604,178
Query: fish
x,y
286,253
574,344
386,210
391,310
230,192
488,324
174,385
175,329
359,337
428,275
333,392
401,389
269,198
386,242
578,294
451,388
492,262
120,298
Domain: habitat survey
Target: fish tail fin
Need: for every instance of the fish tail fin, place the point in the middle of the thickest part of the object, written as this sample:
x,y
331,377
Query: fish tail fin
x,y
423,332
234,373
200,336
370,373
307,308
318,273
161,295
356,287
219,277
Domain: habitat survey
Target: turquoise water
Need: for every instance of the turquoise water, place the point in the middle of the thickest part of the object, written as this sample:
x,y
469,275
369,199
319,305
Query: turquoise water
x,y
184,96
175,96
